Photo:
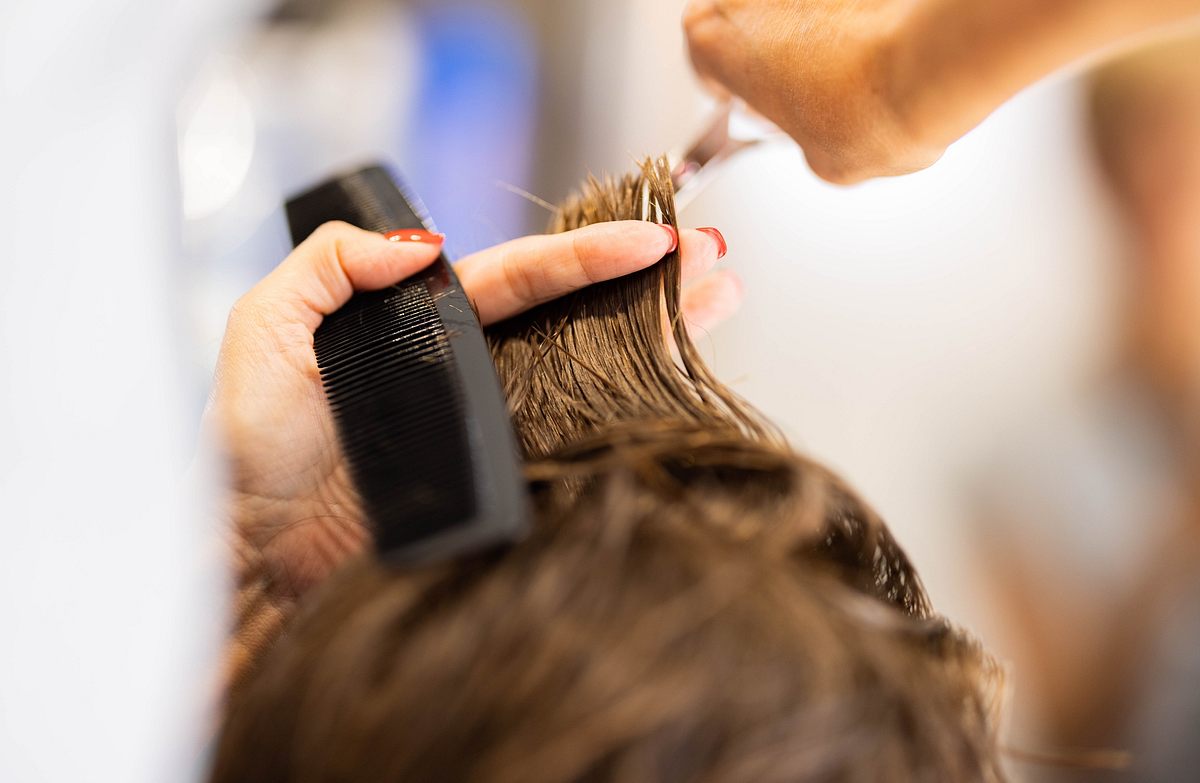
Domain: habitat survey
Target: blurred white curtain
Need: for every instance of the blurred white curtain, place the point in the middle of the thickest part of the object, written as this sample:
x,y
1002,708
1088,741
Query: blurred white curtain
x,y
105,602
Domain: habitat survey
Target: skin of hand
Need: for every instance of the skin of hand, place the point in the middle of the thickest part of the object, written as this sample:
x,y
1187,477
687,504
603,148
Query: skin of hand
x,y
817,69
882,87
295,515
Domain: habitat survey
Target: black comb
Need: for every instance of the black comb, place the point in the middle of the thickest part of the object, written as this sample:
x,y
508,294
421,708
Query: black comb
x,y
419,410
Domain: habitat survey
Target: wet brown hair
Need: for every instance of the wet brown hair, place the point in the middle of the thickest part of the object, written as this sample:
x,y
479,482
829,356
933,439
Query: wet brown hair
x,y
696,602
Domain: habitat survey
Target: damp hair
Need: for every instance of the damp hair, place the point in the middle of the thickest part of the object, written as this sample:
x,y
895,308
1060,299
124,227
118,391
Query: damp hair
x,y
696,602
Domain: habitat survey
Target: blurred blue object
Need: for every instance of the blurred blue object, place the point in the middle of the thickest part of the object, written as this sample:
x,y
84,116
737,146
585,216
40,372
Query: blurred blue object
x,y
473,122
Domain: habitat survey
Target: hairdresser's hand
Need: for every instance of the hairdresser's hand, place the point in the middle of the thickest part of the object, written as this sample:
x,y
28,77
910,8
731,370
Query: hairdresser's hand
x,y
511,278
822,70
295,514
879,87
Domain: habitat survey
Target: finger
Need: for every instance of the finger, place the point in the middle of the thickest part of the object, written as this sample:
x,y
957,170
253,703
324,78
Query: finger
x,y
711,301
325,270
701,249
511,278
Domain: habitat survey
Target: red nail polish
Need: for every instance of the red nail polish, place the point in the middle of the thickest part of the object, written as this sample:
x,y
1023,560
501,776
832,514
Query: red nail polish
x,y
722,246
419,235
674,236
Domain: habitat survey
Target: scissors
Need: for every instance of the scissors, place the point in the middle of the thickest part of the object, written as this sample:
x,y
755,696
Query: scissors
x,y
730,129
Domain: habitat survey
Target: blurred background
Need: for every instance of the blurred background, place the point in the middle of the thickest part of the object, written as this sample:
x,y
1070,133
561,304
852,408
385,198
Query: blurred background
x,y
1002,353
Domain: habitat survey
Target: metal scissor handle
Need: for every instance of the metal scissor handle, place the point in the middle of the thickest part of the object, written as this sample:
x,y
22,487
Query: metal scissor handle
x,y
730,129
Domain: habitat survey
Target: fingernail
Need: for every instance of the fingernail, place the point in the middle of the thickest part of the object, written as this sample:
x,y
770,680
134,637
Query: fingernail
x,y
722,245
418,235
674,233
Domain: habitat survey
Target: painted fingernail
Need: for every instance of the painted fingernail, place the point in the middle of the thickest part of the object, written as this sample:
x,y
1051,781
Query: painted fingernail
x,y
722,245
418,235
674,234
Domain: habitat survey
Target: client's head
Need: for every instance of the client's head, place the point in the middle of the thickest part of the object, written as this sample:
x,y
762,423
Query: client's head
x,y
696,602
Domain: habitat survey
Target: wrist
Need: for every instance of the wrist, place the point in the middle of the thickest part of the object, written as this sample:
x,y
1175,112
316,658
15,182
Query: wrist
x,y
903,80
951,63
260,610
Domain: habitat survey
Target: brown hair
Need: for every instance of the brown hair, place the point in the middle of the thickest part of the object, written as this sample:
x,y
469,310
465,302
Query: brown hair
x,y
695,603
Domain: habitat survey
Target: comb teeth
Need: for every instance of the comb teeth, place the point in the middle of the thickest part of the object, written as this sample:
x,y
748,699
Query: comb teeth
x,y
408,375
385,361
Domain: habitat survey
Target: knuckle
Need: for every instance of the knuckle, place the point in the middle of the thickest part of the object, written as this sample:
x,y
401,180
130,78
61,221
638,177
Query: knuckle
x,y
585,247
518,278
328,241
331,230
329,251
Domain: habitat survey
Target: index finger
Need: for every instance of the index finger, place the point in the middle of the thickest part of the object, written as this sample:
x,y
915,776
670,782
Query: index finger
x,y
511,278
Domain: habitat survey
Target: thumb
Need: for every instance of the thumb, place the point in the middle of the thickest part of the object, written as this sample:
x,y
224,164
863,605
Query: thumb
x,y
325,270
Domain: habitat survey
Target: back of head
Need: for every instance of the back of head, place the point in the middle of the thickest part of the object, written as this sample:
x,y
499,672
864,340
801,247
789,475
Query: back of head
x,y
695,603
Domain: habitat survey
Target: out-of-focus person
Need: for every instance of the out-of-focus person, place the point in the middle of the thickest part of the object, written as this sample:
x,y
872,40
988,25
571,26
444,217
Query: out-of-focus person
x,y
1090,521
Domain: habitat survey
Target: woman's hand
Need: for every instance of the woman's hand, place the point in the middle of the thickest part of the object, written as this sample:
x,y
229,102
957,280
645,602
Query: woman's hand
x,y
879,87
295,514
821,70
